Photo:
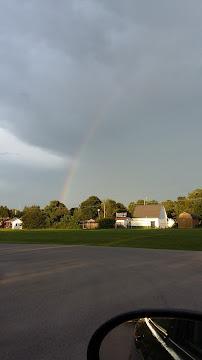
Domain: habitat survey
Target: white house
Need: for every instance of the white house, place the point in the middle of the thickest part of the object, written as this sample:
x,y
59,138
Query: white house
x,y
122,220
153,216
16,224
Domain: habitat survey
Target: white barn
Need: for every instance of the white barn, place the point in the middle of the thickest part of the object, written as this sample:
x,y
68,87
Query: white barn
x,y
153,216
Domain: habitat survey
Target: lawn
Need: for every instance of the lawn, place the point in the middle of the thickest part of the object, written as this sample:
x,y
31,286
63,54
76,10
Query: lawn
x,y
154,239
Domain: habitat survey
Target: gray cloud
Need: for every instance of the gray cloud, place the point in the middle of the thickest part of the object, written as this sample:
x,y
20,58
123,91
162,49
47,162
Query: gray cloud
x,y
6,153
134,67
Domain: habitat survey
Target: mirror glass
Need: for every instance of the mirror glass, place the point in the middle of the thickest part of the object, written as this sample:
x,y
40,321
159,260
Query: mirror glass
x,y
154,339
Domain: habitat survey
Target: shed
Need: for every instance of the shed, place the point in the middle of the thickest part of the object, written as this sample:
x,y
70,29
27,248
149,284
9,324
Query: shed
x,y
122,220
188,221
90,224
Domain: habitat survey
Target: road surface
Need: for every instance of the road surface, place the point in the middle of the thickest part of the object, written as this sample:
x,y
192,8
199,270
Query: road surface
x,y
52,298
119,344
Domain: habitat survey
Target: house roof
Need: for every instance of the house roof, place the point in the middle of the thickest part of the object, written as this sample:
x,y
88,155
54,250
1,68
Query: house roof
x,y
147,211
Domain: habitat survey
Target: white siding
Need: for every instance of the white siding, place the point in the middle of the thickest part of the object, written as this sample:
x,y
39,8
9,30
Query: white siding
x,y
123,222
163,221
145,222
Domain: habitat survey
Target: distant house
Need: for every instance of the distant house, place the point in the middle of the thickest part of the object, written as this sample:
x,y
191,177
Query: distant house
x,y
90,224
188,221
15,224
6,223
122,220
152,216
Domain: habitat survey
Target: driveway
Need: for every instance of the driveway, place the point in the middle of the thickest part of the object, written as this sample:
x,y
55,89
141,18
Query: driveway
x,y
52,298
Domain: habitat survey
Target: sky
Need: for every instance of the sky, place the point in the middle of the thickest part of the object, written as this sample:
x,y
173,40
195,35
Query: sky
x,y
99,98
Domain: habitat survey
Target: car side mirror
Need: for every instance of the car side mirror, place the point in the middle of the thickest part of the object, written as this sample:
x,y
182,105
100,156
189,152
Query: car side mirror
x,y
152,335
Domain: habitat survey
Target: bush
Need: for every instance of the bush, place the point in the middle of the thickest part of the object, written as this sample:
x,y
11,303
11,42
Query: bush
x,y
106,223
70,223
33,218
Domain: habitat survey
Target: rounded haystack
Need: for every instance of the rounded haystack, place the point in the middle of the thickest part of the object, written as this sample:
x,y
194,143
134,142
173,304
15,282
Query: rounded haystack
x,y
185,221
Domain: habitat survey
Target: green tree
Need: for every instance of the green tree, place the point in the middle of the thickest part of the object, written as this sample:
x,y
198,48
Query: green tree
x,y
89,208
140,202
195,194
182,204
33,217
152,202
72,211
195,199
55,212
120,207
73,222
131,207
170,208
146,202
110,208
4,212
16,213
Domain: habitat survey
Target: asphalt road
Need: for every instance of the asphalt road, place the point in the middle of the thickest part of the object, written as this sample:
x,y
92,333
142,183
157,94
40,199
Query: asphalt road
x,y
52,298
119,344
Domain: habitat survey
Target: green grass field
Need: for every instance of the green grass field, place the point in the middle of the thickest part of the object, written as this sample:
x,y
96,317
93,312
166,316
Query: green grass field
x,y
154,239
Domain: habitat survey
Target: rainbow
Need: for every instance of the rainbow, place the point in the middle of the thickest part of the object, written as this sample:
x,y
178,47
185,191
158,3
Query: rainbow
x,y
72,169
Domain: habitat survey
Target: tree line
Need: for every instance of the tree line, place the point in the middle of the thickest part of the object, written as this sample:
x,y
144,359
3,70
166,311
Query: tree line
x,y
192,203
57,215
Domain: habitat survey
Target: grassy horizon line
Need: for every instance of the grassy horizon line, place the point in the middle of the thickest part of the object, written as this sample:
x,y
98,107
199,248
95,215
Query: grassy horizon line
x,y
171,239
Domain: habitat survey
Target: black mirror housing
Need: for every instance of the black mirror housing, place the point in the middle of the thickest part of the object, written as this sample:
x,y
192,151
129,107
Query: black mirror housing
x,y
133,317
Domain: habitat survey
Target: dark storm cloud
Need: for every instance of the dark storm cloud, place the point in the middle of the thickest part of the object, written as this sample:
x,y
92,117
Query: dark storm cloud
x,y
135,67
61,63
50,55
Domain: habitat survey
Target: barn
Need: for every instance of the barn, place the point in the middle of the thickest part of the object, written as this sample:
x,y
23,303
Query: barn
x,y
153,216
